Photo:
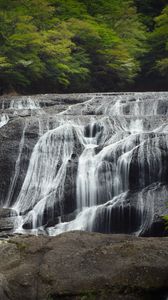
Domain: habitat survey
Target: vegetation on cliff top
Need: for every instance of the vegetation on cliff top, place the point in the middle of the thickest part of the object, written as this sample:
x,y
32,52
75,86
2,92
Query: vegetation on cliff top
x,y
74,45
165,218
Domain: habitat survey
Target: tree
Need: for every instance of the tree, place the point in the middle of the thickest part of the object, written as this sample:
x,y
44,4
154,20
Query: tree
x,y
35,45
80,45
106,38
159,39
149,9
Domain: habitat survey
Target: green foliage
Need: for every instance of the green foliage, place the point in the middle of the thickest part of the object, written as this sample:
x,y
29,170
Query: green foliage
x,y
159,40
149,9
79,45
165,218
34,44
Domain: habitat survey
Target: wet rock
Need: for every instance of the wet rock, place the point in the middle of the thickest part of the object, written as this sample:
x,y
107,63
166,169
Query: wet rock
x,y
7,224
7,212
139,212
157,228
7,220
15,151
6,234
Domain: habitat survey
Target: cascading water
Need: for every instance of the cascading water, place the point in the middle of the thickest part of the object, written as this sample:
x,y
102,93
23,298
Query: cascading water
x,y
3,120
44,183
24,103
99,166
17,171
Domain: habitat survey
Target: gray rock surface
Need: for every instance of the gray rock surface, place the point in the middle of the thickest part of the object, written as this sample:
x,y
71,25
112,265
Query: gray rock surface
x,y
83,266
7,224
7,220
7,212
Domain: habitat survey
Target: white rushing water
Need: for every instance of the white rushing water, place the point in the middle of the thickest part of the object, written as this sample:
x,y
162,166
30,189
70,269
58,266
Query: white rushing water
x,y
24,103
3,120
17,170
44,182
105,165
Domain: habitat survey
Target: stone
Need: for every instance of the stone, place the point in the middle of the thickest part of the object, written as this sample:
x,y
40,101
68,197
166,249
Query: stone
x,y
84,266
7,220
7,212
7,224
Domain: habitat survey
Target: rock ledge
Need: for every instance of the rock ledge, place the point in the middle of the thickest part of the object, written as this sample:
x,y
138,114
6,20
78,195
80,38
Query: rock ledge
x,y
83,266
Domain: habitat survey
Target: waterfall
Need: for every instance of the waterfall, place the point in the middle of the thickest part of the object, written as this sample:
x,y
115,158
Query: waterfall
x,y
3,120
98,165
24,103
43,186
17,170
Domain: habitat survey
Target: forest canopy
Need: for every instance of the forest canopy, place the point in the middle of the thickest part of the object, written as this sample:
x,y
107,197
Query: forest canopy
x,y
80,46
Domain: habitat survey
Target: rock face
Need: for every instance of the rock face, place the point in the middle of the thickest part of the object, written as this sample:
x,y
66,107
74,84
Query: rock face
x,y
7,220
80,265
94,162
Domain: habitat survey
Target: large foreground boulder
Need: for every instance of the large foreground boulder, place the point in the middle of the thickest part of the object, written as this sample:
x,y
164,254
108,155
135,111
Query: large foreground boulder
x,y
83,266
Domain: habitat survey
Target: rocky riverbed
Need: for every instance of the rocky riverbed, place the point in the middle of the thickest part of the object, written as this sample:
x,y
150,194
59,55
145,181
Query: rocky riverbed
x,y
83,266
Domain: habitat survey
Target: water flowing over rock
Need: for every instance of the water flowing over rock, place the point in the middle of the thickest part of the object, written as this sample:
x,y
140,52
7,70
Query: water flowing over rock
x,y
93,162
